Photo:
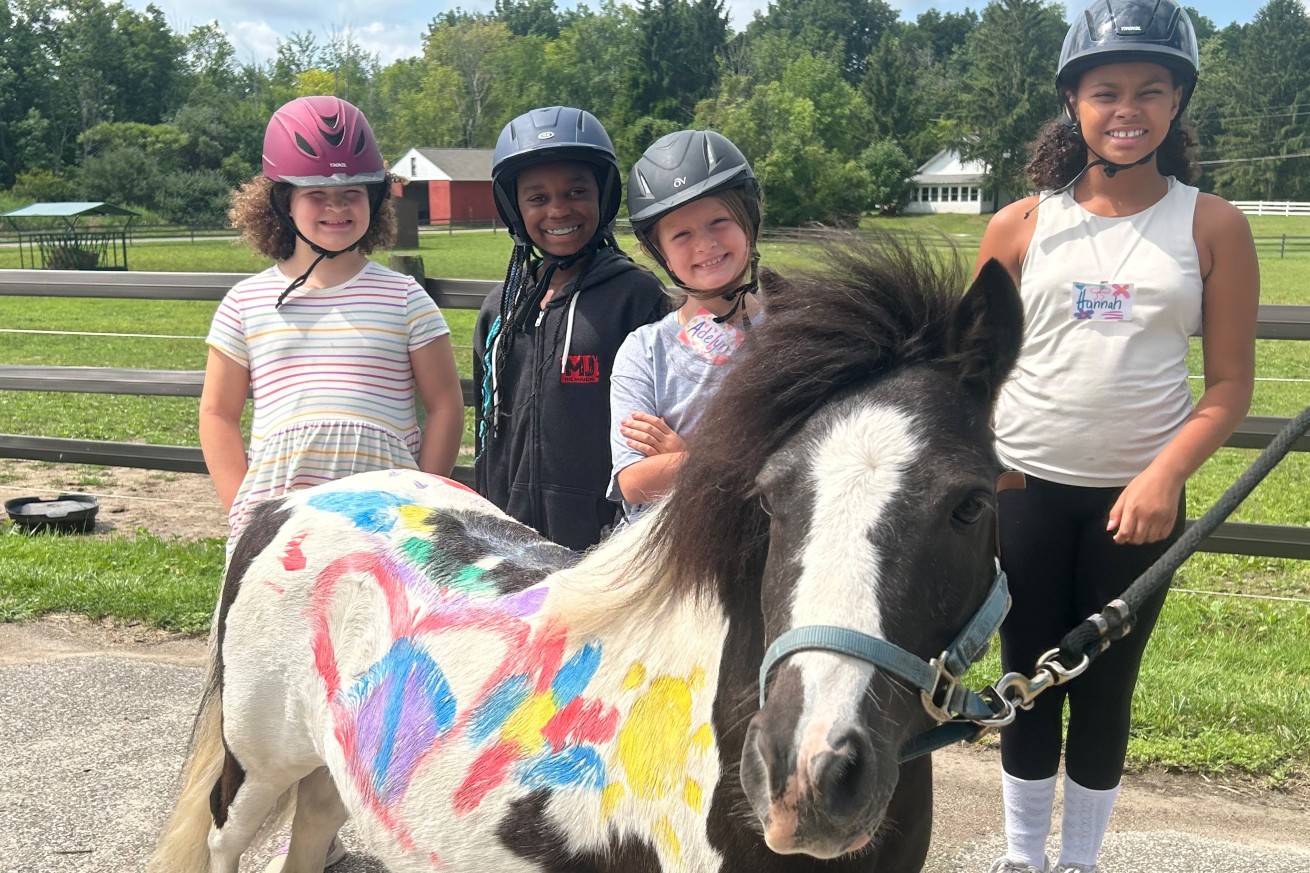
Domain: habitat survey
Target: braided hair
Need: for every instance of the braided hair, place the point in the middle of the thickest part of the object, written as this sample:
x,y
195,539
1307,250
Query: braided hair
x,y
527,279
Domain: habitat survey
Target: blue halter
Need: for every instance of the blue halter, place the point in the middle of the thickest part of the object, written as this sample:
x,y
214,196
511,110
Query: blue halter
x,y
961,712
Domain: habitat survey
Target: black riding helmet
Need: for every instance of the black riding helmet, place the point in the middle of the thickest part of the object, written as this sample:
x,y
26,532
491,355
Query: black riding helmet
x,y
685,166
547,135
1119,31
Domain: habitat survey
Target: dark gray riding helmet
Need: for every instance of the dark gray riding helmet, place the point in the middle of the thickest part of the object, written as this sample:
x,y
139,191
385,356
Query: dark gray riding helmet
x,y
1115,31
681,167
546,135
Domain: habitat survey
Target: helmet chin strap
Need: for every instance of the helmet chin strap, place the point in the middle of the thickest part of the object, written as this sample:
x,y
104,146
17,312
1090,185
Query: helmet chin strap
x,y
317,249
1110,168
736,295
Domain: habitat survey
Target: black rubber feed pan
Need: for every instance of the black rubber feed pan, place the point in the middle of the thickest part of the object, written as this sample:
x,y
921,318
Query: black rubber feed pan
x,y
74,513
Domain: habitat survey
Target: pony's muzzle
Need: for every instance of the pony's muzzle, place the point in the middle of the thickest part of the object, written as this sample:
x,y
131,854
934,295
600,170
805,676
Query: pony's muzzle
x,y
824,799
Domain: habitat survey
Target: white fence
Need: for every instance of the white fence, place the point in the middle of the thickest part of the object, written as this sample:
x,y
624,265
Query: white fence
x,y
1273,207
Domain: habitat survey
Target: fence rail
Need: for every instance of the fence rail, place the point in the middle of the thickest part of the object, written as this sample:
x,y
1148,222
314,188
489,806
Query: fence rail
x,y
1273,207
1275,323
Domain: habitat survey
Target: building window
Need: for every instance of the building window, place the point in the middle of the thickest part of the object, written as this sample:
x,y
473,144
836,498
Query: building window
x,y
955,193
973,195
413,167
934,194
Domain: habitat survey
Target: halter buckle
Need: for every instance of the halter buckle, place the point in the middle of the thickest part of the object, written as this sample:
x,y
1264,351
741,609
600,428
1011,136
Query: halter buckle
x,y
935,699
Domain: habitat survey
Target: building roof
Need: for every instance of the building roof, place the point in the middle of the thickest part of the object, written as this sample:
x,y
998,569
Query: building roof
x,y
66,210
460,165
946,168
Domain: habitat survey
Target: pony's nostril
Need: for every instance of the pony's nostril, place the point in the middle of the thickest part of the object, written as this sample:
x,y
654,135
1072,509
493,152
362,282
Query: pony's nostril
x,y
841,777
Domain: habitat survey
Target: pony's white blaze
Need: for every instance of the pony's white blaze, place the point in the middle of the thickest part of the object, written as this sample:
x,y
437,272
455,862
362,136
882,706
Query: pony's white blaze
x,y
857,470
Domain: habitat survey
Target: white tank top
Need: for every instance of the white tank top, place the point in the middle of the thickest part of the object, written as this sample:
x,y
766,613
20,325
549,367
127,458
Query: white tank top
x,y
1109,304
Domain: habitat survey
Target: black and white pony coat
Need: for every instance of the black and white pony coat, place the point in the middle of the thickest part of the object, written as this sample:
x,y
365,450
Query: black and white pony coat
x,y
475,698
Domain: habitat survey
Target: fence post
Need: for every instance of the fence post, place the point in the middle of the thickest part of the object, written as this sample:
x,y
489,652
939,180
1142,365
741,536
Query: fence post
x,y
1282,247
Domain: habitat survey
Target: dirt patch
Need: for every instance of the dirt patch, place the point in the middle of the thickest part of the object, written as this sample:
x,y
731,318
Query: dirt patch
x,y
168,505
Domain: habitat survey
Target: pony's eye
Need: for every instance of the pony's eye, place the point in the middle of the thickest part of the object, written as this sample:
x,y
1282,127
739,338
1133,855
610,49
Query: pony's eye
x,y
970,509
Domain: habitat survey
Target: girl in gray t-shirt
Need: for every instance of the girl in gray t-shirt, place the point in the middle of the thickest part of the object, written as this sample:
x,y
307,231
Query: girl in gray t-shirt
x,y
696,208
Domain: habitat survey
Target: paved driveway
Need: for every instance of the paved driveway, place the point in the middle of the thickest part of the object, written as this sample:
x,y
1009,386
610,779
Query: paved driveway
x,y
93,727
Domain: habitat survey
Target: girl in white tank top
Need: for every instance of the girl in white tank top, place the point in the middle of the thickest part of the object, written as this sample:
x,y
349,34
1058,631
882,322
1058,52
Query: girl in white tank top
x,y
1118,262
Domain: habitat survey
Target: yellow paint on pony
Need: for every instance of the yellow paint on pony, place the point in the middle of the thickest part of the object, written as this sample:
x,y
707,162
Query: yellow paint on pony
x,y
658,735
419,519
610,796
636,677
526,724
667,838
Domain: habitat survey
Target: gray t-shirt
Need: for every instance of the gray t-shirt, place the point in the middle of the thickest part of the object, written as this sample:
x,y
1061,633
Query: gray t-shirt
x,y
668,370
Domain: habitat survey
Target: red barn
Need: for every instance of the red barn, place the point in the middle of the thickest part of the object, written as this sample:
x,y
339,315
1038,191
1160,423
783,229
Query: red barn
x,y
447,185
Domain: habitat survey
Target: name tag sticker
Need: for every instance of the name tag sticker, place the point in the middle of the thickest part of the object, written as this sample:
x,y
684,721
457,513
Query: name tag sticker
x,y
1102,301
712,341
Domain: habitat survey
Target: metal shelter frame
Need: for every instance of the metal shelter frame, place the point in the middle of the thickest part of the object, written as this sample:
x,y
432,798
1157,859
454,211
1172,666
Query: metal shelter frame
x,y
71,236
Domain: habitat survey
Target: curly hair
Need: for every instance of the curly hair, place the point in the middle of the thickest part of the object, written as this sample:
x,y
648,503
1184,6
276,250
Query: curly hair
x,y
1059,153
253,214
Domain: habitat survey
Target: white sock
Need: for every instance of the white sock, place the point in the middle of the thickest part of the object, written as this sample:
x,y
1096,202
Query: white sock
x,y
1086,818
1028,805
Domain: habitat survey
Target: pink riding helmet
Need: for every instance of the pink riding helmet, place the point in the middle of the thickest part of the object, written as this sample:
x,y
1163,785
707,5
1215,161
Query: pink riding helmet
x,y
321,142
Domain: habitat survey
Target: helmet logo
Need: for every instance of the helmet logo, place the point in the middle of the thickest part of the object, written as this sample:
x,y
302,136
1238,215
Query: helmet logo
x,y
679,182
546,134
337,164
1131,28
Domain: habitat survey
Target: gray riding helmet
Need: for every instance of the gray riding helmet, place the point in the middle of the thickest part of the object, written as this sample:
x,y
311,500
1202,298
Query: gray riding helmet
x,y
546,135
1118,31
679,168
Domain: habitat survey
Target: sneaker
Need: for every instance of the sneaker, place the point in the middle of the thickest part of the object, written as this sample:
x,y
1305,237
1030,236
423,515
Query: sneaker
x,y
1074,868
1005,865
336,852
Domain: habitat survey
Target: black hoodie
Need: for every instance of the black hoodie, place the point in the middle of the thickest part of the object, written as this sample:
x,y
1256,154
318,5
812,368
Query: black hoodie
x,y
549,463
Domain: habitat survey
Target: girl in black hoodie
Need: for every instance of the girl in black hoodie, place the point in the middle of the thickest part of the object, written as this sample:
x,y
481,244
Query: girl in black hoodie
x,y
545,340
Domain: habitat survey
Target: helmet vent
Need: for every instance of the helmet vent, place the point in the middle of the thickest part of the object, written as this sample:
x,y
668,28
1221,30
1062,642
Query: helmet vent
x,y
304,146
360,142
331,120
645,186
334,139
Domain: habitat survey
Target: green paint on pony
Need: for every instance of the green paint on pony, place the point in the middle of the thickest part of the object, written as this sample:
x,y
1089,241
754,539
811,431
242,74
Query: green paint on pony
x,y
443,570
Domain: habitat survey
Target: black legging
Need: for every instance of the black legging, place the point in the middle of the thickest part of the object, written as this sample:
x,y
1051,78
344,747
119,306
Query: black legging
x,y
1063,567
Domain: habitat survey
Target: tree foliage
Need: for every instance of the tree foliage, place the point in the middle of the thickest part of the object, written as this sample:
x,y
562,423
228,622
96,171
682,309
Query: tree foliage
x,y
835,101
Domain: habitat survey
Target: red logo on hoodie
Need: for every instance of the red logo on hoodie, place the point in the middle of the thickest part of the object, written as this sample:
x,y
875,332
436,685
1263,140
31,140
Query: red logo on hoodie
x,y
580,370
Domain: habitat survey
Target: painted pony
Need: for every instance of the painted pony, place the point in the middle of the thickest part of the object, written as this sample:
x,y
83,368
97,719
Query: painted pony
x,y
475,698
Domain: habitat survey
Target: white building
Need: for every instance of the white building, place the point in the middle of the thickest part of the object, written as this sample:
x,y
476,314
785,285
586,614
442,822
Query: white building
x,y
947,184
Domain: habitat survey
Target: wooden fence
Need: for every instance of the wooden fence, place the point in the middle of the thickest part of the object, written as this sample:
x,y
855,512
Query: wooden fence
x,y
1275,323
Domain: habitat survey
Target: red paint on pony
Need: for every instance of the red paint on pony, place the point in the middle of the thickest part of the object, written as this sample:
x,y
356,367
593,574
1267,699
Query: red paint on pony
x,y
293,558
487,773
581,721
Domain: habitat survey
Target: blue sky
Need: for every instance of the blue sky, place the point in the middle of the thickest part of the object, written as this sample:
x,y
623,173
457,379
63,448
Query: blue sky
x,y
394,30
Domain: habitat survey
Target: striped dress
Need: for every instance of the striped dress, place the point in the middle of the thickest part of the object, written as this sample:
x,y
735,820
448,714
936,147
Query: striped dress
x,y
331,377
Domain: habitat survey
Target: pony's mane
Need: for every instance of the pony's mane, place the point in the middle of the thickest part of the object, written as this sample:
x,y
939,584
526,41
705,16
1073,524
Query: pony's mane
x,y
877,306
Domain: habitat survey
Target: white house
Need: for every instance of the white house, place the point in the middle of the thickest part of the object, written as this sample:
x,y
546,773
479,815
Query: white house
x,y
947,184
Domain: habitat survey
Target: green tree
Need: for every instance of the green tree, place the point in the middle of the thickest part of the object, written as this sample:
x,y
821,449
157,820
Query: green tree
x,y
530,17
462,62
675,47
818,26
778,131
1264,111
1006,87
946,32
889,170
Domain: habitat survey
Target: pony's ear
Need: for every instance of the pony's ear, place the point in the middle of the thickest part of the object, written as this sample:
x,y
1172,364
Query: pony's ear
x,y
775,291
987,328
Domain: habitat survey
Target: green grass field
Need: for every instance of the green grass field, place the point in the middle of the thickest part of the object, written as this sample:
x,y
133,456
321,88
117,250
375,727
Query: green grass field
x,y
1226,684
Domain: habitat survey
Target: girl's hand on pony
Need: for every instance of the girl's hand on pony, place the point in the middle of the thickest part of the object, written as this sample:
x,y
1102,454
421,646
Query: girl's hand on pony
x,y
649,435
1146,509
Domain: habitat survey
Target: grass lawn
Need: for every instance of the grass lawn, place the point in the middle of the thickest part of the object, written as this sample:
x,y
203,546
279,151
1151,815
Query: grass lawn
x,y
1226,684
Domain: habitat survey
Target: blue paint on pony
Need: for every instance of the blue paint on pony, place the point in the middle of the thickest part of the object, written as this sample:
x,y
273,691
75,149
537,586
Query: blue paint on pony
x,y
573,677
404,704
502,701
573,767
372,511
